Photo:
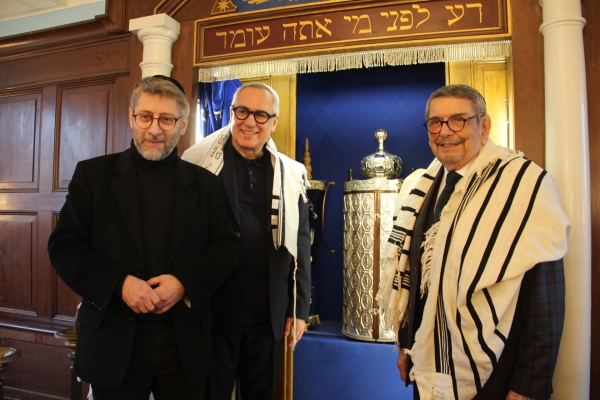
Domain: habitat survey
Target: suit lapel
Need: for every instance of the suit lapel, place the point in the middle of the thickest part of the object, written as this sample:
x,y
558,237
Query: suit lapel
x,y
125,190
184,204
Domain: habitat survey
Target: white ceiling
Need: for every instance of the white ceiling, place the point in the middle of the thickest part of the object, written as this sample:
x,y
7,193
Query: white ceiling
x,y
21,8
19,16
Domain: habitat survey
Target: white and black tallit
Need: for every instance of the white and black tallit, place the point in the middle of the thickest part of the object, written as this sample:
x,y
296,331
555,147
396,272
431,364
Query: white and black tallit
x,y
290,181
503,218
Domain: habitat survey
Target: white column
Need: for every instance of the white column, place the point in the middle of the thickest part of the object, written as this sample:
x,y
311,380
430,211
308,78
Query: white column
x,y
567,159
157,33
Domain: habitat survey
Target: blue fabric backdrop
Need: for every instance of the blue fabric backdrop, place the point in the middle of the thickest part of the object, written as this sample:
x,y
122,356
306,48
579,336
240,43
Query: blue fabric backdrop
x,y
215,100
339,114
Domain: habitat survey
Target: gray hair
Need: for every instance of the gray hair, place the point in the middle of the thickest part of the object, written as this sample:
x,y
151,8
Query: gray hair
x,y
463,92
161,87
259,85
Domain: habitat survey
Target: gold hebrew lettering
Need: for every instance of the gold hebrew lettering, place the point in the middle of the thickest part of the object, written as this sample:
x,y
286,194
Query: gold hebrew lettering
x,y
321,27
386,14
457,18
224,34
358,19
302,25
477,5
262,37
252,37
237,45
420,11
403,19
292,25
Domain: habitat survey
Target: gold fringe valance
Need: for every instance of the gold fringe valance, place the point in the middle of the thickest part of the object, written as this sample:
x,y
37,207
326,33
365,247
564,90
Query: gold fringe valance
x,y
366,59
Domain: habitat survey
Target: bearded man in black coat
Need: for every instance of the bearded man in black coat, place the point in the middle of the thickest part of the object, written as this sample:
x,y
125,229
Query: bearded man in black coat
x,y
144,239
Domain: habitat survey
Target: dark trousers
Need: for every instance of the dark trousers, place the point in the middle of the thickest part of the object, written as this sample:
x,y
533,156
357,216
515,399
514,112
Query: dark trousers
x,y
155,367
248,353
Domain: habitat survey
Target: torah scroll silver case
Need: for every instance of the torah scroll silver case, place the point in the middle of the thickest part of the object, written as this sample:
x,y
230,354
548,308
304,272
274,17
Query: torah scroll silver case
x,y
368,221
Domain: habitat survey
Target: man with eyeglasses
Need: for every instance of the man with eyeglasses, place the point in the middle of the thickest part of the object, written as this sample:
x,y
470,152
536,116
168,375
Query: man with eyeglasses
x,y
267,295
144,239
474,279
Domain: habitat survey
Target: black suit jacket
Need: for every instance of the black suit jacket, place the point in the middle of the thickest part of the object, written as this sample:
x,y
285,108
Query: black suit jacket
x,y
281,263
98,240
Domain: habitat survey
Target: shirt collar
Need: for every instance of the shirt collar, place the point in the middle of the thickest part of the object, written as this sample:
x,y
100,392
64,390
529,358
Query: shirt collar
x,y
463,171
240,159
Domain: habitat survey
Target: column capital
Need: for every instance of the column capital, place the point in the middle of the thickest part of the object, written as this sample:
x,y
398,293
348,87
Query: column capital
x,y
154,21
157,33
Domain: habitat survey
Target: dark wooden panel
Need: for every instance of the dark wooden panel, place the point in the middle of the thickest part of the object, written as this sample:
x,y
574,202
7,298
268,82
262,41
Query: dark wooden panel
x,y
109,56
528,79
53,39
42,371
20,116
31,201
65,307
17,263
47,141
66,300
591,42
85,127
114,20
188,77
123,88
76,75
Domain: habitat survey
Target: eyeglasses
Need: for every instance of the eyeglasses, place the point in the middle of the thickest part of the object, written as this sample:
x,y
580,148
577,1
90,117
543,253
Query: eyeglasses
x,y
455,123
165,123
260,116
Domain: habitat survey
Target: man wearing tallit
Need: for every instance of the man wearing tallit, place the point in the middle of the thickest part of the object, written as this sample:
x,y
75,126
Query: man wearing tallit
x,y
267,296
474,281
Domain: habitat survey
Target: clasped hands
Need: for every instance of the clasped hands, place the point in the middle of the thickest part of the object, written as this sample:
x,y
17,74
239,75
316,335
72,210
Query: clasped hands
x,y
156,295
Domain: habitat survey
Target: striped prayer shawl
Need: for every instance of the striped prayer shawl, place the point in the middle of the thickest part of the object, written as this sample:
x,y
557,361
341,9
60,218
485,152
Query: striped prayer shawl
x,y
290,180
289,183
503,218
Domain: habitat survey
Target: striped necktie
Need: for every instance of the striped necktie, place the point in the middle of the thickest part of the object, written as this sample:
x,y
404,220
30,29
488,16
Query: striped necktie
x,y
451,180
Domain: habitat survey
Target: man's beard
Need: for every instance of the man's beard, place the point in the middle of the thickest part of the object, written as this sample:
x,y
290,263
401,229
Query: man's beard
x,y
156,153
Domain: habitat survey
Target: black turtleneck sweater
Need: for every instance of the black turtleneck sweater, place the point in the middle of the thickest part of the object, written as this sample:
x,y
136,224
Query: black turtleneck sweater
x,y
155,193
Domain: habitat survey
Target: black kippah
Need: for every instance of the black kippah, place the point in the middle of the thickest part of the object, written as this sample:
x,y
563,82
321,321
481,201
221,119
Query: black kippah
x,y
173,81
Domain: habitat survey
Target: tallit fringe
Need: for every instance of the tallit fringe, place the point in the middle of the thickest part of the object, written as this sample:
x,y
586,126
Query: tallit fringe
x,y
387,276
393,315
393,294
427,257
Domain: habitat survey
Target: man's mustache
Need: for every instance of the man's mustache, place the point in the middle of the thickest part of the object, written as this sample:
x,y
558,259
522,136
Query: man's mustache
x,y
160,138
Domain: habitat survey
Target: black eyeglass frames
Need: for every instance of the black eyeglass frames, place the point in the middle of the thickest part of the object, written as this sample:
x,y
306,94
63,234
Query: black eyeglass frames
x,y
260,116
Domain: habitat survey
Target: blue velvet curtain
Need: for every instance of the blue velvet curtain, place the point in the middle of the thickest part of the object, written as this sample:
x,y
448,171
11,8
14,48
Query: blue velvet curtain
x,y
339,113
215,100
